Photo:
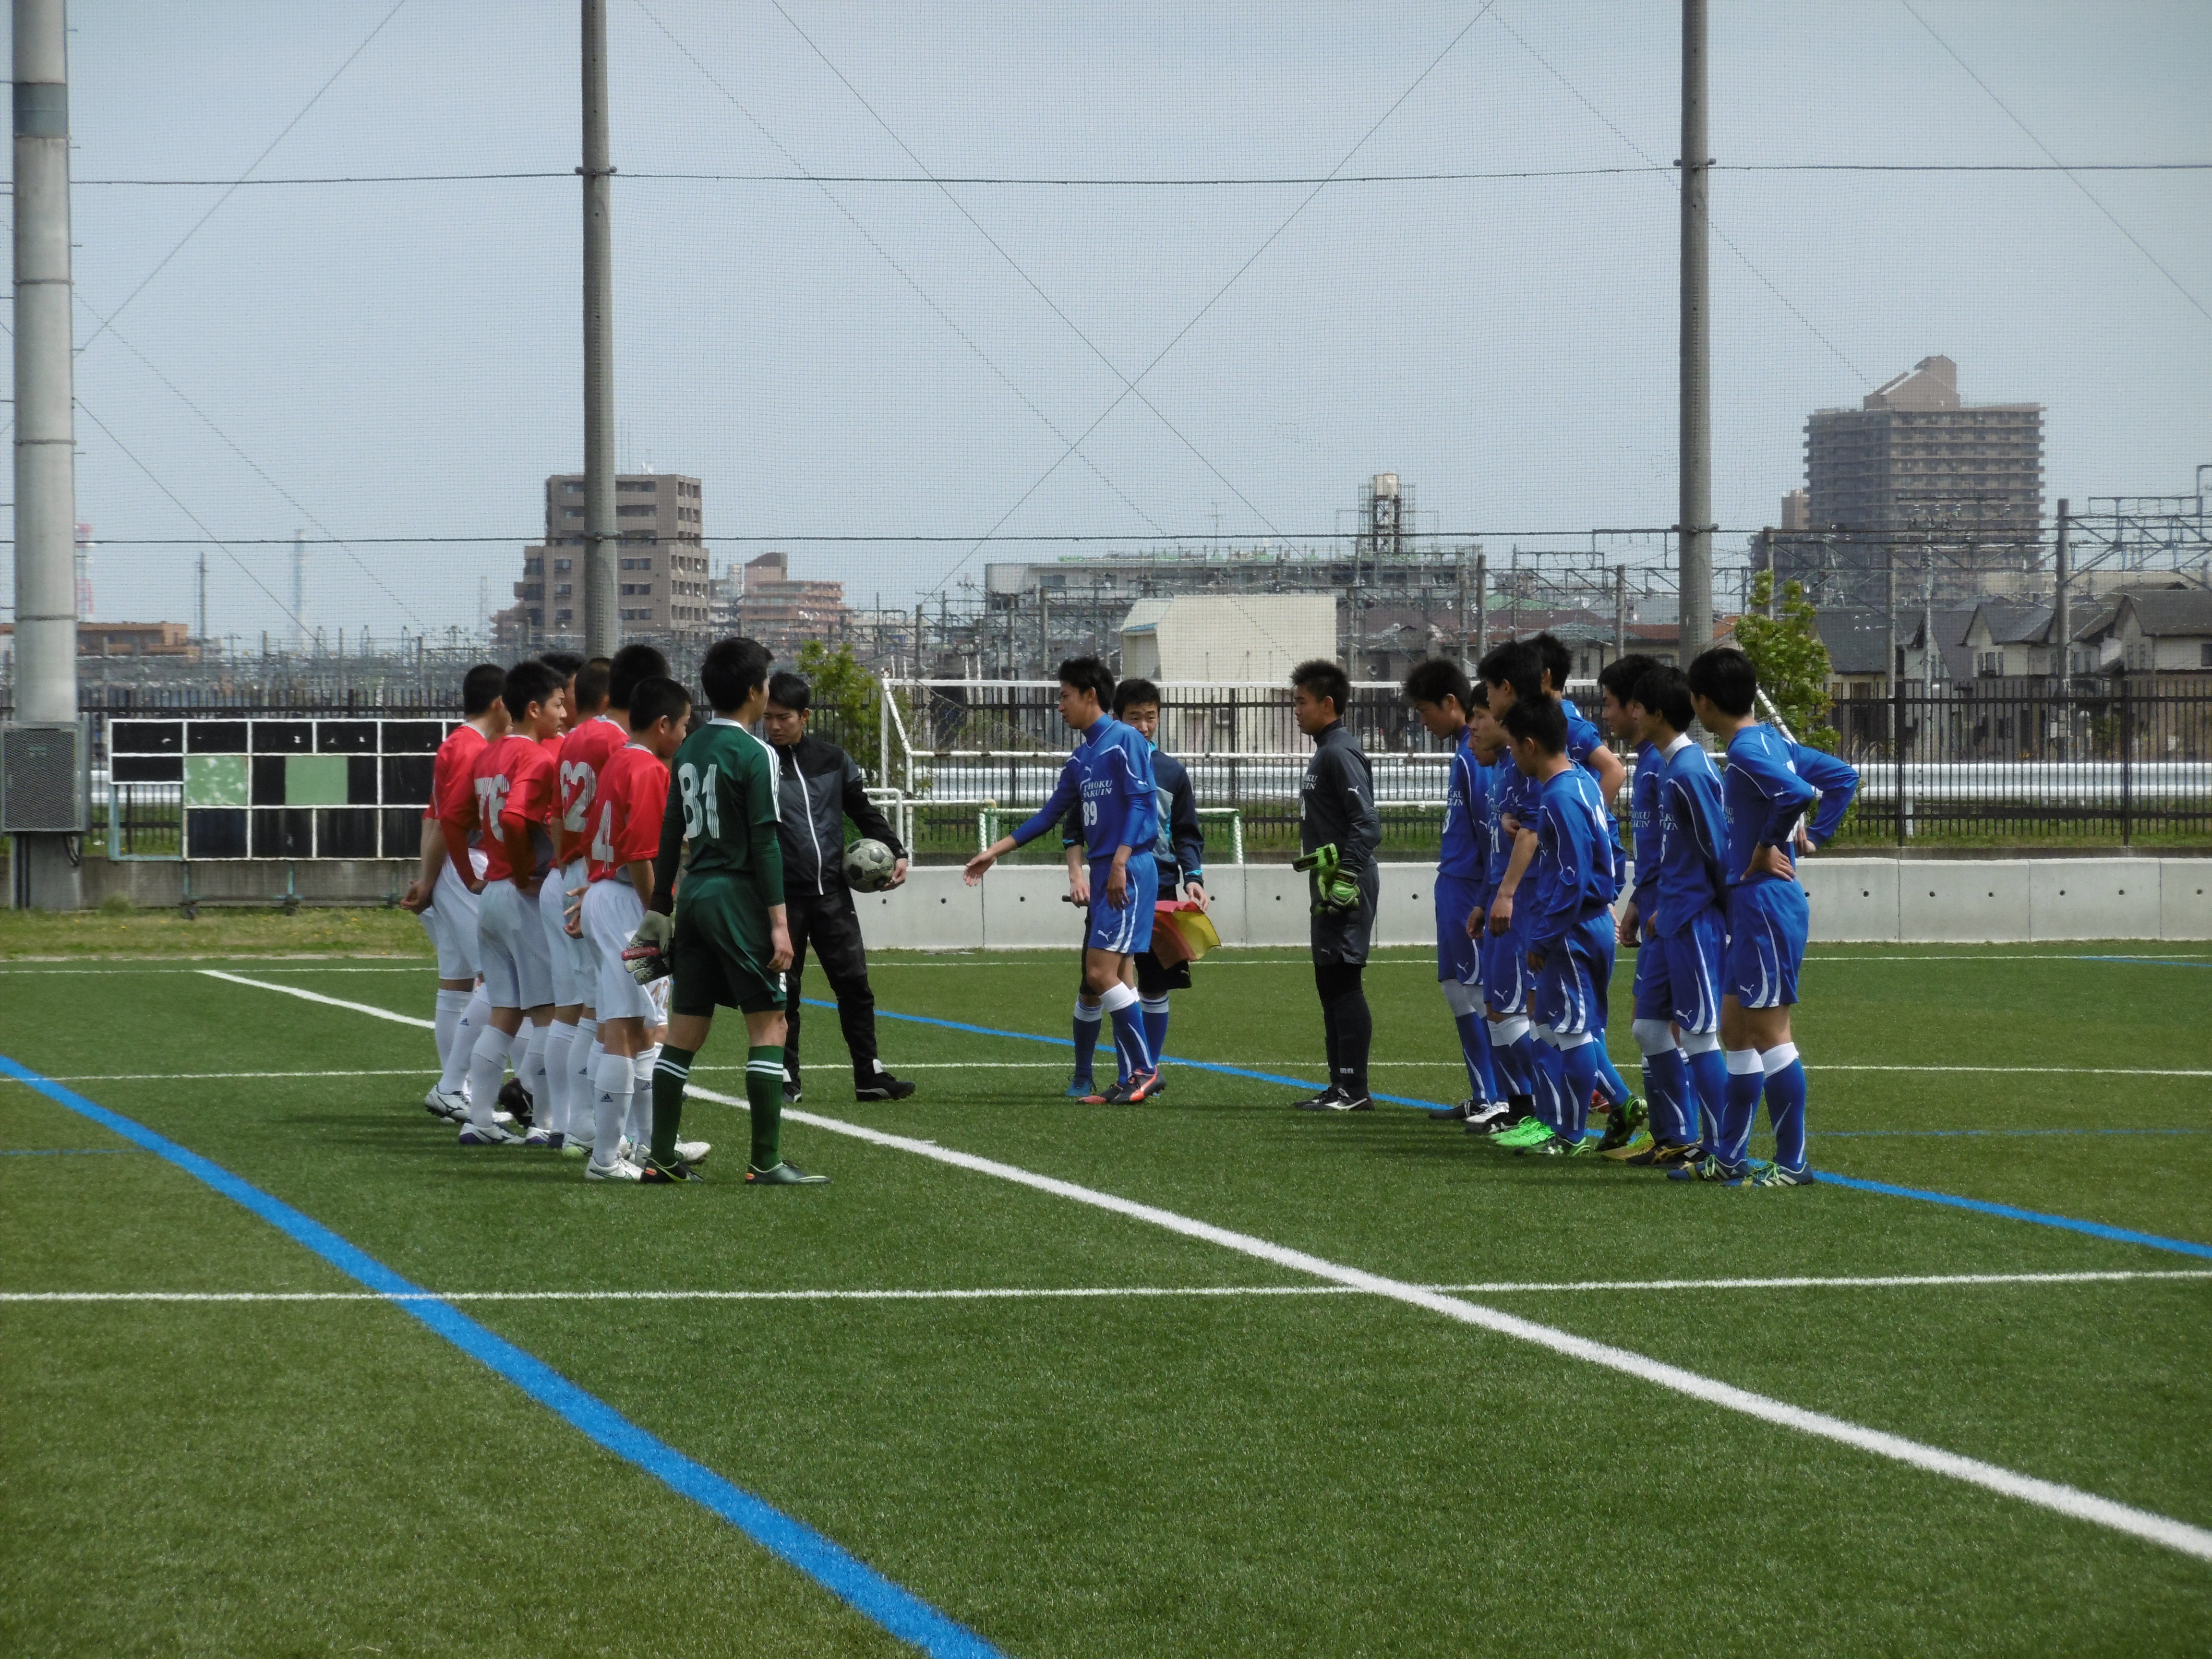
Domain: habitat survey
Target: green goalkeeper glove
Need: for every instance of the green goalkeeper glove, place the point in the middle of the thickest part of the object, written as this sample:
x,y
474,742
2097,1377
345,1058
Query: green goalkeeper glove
x,y
1337,893
646,958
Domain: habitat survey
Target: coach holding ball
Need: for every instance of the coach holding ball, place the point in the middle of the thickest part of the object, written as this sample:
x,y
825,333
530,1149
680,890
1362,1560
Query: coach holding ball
x,y
817,787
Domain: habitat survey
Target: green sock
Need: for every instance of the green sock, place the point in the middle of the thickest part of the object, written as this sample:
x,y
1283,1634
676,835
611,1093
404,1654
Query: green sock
x,y
670,1073
764,1094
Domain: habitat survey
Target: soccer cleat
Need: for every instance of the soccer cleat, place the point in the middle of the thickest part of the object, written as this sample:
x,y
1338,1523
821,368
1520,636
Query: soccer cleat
x,y
453,1107
538,1137
620,1169
1638,1145
784,1175
1780,1175
515,1100
1666,1156
693,1151
1159,1083
1546,1144
1082,1088
1129,1091
882,1086
1498,1123
487,1134
1622,1125
1561,1146
658,1175
1458,1114
791,1089
1528,1132
1326,1101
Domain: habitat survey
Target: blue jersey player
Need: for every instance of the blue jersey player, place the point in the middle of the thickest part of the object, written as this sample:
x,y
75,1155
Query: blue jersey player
x,y
1767,918
1110,774
1683,909
1666,1081
1568,921
1439,692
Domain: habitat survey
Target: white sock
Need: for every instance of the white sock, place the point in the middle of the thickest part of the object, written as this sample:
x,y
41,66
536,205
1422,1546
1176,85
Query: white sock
x,y
554,1114
450,1005
641,1095
487,1065
474,1017
529,1067
584,1053
612,1083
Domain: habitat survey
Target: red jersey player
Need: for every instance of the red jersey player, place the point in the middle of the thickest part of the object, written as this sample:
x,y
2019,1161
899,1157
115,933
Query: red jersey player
x,y
445,904
511,806
625,835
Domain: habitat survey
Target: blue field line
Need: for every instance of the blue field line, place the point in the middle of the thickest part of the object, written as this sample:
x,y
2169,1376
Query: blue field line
x,y
904,1615
2096,1229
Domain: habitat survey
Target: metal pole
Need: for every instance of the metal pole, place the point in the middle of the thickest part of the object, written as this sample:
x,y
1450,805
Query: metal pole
x,y
1481,606
602,613
1695,606
1044,633
1619,611
299,593
2062,609
46,431
1459,620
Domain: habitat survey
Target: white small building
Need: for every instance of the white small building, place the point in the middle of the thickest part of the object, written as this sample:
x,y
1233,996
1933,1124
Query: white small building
x,y
1227,638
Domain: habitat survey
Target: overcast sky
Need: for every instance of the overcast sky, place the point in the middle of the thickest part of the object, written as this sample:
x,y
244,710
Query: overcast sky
x,y
403,359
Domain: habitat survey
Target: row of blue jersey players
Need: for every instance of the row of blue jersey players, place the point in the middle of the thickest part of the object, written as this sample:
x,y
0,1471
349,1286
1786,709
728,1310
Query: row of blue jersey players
x,y
1107,783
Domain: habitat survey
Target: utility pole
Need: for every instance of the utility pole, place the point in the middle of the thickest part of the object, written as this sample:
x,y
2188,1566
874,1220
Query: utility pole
x,y
1619,611
299,593
1695,583
199,603
602,614
2062,607
1481,608
45,876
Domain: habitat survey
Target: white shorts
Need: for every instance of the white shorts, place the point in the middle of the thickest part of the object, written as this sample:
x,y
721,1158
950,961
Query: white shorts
x,y
451,922
517,969
613,910
571,962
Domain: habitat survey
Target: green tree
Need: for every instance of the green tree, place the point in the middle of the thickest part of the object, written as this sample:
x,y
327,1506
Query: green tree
x,y
846,710
1792,663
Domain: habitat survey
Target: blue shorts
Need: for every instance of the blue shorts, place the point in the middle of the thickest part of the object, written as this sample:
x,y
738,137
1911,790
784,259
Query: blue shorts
x,y
1693,958
1128,931
1457,956
1505,963
1569,995
1766,926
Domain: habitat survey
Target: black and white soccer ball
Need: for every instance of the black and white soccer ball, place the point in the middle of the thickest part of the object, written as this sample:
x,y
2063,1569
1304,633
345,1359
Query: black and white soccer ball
x,y
868,866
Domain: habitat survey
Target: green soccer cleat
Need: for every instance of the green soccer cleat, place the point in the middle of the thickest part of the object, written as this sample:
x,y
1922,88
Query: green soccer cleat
x,y
1625,1123
1703,1166
784,1175
1638,1145
669,1175
1529,1132
1780,1175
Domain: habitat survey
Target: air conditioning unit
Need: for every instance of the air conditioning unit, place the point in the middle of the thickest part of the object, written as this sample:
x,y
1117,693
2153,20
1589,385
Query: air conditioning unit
x,y
44,781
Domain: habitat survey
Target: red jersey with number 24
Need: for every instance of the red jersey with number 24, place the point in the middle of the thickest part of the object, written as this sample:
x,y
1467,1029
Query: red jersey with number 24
x,y
626,814
583,752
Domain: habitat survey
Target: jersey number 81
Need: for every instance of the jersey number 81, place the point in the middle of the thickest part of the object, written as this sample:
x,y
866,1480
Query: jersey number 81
x,y
702,803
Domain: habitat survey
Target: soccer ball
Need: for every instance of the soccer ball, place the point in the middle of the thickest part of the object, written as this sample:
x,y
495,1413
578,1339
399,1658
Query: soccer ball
x,y
868,866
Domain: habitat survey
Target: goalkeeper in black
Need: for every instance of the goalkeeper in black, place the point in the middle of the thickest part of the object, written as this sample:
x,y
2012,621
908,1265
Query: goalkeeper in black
x,y
1338,830
817,789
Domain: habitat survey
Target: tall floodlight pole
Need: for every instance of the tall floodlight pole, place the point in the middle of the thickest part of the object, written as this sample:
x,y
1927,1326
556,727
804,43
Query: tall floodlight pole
x,y
45,429
602,617
1695,533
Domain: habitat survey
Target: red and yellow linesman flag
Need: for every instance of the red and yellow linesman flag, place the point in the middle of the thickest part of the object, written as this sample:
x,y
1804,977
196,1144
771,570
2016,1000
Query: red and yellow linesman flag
x,y
1181,932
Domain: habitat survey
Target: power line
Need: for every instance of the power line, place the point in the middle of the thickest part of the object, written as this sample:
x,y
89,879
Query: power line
x,y
1155,181
894,538
218,206
1914,13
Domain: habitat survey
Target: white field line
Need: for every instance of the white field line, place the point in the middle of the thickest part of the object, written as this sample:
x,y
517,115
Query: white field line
x,y
1023,1293
368,1008
2060,1499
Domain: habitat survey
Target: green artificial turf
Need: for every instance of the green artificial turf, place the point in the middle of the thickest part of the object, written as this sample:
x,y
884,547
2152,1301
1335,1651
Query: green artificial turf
x,y
1323,1474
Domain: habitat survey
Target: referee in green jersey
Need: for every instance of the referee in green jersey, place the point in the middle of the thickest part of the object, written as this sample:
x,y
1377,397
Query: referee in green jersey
x,y
728,946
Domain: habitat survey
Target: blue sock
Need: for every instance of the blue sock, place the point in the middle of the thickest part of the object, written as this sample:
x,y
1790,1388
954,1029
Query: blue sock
x,y
1087,1018
1578,1066
1668,1080
1551,1102
1607,1074
1129,1039
1156,1026
1745,1077
1474,1049
1708,1096
1785,1103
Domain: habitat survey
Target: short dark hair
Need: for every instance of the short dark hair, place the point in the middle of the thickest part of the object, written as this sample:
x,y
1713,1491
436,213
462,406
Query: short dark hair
x,y
1556,660
1515,664
1624,674
480,688
590,684
730,672
1540,720
1089,674
791,690
1135,691
1439,677
627,666
563,663
1665,691
1320,677
1724,677
528,682
654,697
